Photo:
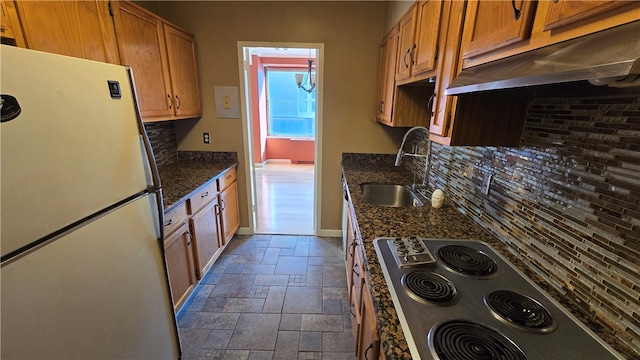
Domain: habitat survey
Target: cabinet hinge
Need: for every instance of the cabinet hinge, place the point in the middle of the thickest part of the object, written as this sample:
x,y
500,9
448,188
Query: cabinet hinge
x,y
110,9
435,55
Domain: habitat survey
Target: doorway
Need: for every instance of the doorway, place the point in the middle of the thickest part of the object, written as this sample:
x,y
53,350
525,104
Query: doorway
x,y
281,97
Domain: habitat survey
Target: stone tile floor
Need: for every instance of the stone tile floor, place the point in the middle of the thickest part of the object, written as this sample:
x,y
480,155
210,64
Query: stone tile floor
x,y
271,297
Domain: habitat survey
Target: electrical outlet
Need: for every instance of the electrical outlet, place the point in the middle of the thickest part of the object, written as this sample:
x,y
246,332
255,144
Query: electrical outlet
x,y
206,138
486,183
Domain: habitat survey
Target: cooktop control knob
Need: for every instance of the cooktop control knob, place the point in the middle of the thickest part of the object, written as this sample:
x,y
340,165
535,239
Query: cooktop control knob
x,y
410,251
402,250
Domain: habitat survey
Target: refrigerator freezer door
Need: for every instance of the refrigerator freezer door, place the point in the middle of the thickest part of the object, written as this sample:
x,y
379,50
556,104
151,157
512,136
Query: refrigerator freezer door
x,y
72,150
97,292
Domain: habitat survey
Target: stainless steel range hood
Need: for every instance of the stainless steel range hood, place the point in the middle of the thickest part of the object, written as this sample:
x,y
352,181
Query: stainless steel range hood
x,y
609,57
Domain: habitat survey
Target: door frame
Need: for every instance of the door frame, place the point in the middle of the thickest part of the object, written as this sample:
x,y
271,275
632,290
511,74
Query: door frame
x,y
247,125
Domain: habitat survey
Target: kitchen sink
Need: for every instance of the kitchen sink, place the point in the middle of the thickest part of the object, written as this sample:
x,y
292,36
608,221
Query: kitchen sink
x,y
391,195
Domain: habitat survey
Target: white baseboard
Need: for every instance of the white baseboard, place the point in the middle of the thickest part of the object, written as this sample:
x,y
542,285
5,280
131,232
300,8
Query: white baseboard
x,y
330,232
245,231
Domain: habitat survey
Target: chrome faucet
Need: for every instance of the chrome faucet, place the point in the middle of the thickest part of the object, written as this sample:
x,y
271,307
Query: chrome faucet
x,y
427,157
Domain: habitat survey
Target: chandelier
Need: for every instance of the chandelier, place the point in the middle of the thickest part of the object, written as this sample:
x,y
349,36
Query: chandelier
x,y
308,84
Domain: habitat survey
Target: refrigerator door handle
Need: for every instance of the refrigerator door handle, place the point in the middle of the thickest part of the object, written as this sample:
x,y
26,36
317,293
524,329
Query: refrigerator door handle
x,y
156,187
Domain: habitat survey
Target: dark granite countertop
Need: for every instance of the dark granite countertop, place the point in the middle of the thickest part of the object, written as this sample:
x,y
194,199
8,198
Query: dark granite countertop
x,y
444,223
181,178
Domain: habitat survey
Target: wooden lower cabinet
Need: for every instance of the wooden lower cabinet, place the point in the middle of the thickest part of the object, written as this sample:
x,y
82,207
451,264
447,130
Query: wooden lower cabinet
x,y
178,252
197,231
204,227
356,319
368,338
230,217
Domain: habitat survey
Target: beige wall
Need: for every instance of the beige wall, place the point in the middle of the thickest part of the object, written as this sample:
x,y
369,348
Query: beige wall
x,y
351,33
395,10
149,5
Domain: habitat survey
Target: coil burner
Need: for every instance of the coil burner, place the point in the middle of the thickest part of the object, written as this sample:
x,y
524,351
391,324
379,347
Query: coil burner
x,y
520,310
468,340
429,288
466,260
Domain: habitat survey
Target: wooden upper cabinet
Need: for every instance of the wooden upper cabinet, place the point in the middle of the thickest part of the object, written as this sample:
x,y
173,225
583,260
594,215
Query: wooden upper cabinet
x,y
184,75
426,37
565,12
10,29
419,29
491,25
471,120
141,44
163,61
386,76
407,26
490,32
75,28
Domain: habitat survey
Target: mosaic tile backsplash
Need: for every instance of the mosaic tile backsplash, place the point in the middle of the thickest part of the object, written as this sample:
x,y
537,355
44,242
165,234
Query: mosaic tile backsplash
x,y
567,201
162,136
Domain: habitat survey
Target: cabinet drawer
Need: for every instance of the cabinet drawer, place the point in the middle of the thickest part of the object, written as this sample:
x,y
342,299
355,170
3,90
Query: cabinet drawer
x,y
174,218
202,197
225,180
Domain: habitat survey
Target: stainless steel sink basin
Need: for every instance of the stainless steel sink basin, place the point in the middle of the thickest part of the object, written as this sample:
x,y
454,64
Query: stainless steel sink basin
x,y
391,195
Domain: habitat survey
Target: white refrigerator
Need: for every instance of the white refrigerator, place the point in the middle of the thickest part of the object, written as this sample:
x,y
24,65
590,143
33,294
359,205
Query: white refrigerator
x,y
83,274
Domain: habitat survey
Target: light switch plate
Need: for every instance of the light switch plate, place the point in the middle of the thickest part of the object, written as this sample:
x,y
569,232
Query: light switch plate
x,y
227,104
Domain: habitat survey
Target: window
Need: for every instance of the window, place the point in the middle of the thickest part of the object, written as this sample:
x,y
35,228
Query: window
x,y
292,111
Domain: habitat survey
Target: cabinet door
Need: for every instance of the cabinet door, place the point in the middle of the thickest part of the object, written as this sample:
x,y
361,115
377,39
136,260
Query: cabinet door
x,y
368,339
184,76
406,44
354,310
178,253
81,29
448,69
386,81
10,29
140,37
426,36
495,24
350,249
204,226
565,12
230,218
